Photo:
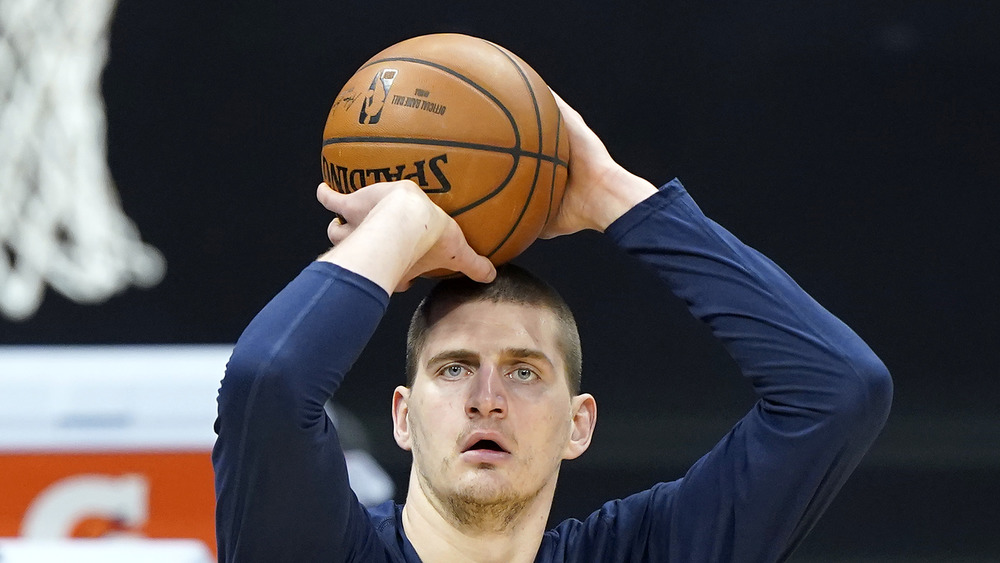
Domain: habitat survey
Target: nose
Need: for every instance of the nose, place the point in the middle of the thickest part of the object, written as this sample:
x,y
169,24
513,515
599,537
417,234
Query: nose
x,y
487,395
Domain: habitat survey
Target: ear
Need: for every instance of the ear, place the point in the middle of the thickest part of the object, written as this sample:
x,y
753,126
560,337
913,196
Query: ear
x,y
400,417
584,409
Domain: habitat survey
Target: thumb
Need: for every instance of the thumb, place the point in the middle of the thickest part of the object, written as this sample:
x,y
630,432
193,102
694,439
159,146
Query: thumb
x,y
331,199
479,268
465,259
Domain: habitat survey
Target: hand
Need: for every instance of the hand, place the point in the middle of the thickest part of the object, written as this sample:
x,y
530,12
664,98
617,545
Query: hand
x,y
598,189
392,233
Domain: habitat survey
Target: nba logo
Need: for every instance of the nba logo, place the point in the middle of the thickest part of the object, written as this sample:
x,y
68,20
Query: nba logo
x,y
371,105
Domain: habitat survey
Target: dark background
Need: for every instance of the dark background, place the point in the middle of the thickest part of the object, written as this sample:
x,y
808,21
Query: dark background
x,y
857,144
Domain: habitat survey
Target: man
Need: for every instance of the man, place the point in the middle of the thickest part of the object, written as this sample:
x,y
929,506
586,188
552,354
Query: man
x,y
491,405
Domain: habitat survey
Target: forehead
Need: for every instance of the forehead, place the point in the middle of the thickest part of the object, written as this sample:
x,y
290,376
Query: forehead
x,y
486,326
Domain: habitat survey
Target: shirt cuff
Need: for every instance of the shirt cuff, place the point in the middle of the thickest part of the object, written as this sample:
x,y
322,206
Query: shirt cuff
x,y
664,197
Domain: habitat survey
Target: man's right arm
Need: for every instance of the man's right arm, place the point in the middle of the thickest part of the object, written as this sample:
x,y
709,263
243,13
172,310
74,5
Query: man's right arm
x,y
281,480
282,488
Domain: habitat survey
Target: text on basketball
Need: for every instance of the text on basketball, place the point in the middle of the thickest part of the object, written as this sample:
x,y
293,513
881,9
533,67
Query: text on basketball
x,y
347,180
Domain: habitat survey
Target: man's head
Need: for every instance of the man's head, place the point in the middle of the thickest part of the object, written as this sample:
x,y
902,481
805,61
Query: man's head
x,y
491,407
512,285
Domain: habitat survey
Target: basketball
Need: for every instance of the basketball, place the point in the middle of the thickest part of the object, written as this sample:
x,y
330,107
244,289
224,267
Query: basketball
x,y
467,120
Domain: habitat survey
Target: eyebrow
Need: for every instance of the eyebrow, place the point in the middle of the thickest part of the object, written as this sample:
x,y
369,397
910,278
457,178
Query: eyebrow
x,y
472,358
461,355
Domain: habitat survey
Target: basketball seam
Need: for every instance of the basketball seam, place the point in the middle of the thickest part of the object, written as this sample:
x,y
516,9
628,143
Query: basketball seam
x,y
552,184
514,152
538,162
513,123
466,79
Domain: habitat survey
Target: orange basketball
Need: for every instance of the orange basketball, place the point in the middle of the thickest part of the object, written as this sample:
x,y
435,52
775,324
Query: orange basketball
x,y
467,120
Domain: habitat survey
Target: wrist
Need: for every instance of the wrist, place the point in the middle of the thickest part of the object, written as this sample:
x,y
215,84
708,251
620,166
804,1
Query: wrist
x,y
621,191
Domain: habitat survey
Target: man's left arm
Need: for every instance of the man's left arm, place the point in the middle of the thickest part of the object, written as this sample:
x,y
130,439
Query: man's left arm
x,y
824,394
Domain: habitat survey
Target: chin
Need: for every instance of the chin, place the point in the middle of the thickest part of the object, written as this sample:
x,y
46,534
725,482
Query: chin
x,y
486,485
486,507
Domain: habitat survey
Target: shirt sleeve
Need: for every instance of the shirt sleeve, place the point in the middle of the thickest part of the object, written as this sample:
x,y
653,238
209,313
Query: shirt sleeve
x,y
282,488
824,395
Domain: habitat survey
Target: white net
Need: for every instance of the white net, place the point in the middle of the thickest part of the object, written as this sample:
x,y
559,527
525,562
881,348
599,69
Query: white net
x,y
61,222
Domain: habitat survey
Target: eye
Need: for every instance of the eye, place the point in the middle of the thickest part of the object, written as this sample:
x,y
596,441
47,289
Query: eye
x,y
453,371
523,375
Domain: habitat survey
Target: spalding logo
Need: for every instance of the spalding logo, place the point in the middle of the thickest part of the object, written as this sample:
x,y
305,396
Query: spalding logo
x,y
372,104
346,180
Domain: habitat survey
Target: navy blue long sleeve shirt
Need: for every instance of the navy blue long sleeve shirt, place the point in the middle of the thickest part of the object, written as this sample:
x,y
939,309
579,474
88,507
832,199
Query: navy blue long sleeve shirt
x,y
281,480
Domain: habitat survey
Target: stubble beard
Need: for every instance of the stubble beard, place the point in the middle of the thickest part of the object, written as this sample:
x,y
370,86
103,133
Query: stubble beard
x,y
475,508
478,508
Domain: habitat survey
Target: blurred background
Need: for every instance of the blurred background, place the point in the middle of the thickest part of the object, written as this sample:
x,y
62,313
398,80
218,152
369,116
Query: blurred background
x,y
857,144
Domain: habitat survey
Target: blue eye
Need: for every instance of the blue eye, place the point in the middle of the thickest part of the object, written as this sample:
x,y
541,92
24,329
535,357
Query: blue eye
x,y
523,375
453,370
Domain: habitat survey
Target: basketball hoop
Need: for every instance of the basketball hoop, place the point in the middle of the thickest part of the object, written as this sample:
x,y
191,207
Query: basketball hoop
x,y
61,222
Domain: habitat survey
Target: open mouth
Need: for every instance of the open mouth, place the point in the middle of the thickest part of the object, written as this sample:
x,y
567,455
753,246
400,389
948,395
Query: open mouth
x,y
486,445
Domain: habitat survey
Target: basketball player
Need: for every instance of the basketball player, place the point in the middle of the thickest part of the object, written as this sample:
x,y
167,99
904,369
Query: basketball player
x,y
492,405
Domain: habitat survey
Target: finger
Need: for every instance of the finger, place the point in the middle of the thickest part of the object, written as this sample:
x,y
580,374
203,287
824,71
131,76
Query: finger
x,y
551,232
478,268
574,120
329,198
403,286
463,258
559,101
563,106
338,230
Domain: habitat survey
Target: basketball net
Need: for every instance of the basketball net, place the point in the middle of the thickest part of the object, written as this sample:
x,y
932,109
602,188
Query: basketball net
x,y
61,221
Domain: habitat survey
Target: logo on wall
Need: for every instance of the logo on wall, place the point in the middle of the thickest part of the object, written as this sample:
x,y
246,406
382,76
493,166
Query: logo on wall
x,y
378,92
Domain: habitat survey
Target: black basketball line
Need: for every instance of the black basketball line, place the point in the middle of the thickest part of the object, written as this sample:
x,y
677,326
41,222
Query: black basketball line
x,y
515,153
538,163
552,184
455,213
463,78
487,93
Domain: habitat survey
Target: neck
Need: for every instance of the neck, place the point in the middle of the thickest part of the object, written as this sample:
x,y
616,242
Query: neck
x,y
462,530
